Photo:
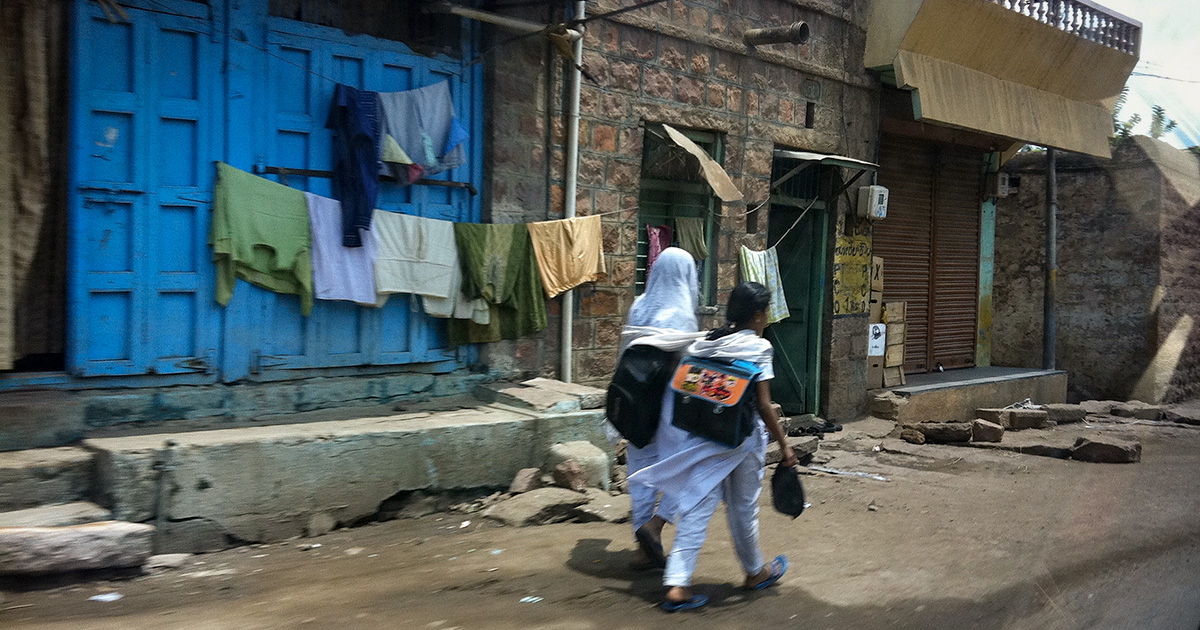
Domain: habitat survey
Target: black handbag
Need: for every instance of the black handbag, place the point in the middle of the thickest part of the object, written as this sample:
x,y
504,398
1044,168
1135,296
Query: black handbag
x,y
787,493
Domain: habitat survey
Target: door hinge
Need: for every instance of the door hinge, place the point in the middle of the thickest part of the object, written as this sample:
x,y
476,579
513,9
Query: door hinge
x,y
259,362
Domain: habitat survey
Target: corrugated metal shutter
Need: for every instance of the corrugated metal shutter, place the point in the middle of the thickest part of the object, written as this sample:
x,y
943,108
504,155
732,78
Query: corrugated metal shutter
x,y
930,246
955,257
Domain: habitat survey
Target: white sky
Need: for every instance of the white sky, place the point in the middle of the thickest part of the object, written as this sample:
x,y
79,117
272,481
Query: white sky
x,y
1170,48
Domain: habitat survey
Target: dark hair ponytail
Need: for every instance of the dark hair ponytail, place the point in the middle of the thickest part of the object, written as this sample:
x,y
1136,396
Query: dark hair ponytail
x,y
745,301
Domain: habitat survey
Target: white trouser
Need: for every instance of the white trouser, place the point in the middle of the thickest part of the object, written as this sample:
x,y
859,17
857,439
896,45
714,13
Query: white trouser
x,y
740,491
643,497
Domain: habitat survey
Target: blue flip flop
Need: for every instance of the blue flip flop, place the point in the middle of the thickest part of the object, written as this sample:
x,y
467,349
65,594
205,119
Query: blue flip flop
x,y
653,549
779,566
696,601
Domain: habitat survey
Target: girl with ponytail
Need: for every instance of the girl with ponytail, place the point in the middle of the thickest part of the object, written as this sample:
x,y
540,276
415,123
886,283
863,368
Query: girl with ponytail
x,y
701,473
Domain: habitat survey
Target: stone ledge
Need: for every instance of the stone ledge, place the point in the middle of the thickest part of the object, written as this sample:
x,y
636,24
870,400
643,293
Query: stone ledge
x,y
532,398
589,397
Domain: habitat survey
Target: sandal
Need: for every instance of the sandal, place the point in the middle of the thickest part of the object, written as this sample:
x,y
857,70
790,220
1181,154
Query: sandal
x,y
779,566
692,603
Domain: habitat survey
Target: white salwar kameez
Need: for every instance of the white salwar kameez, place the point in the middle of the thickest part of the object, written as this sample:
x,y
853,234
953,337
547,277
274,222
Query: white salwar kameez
x,y
699,473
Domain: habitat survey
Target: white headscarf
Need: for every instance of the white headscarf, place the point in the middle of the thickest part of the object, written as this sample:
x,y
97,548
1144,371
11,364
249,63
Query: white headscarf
x,y
672,291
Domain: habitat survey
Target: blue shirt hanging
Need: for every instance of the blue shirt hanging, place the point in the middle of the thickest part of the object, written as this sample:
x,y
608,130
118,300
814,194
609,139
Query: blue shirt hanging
x,y
354,119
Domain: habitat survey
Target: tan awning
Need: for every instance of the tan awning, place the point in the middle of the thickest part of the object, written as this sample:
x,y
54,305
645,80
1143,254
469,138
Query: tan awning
x,y
712,172
954,95
826,158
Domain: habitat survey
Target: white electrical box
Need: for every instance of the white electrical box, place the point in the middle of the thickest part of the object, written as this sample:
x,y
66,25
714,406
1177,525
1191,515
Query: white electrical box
x,y
998,185
872,202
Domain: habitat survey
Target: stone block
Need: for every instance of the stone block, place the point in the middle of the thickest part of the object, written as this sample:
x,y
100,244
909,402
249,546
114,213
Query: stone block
x,y
40,419
47,550
589,397
984,431
944,432
1107,450
533,398
42,476
537,507
1016,419
1098,407
165,561
63,515
593,461
912,436
1065,414
801,446
1137,409
525,480
570,475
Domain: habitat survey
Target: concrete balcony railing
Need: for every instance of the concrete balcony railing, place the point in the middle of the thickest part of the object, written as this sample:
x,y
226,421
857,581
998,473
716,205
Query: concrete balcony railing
x,y
1085,19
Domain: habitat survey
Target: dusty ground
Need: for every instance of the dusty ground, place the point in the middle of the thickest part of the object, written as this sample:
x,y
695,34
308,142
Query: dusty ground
x,y
959,538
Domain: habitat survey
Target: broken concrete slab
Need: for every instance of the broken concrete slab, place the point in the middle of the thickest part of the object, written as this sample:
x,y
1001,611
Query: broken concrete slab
x,y
537,507
801,446
984,431
606,507
1183,413
888,406
532,398
1065,413
1107,450
592,461
525,480
944,432
1016,419
1040,443
43,476
263,483
45,550
165,561
1098,407
62,515
588,397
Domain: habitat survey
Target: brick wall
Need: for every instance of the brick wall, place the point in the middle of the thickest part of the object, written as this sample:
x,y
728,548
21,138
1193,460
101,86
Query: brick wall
x,y
1127,254
680,63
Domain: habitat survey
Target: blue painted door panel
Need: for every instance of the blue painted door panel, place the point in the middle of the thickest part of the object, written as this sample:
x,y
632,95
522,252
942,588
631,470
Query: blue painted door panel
x,y
304,64
143,141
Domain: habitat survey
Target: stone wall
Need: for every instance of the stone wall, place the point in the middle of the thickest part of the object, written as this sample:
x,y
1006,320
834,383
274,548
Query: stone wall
x,y
682,63
1116,306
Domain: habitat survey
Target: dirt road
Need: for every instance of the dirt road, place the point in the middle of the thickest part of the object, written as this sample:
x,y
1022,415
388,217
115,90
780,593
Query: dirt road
x,y
957,538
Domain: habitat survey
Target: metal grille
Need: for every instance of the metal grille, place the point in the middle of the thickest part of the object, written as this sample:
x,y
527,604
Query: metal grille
x,y
930,247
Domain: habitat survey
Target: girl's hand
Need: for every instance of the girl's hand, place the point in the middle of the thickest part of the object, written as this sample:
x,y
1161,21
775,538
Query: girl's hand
x,y
789,456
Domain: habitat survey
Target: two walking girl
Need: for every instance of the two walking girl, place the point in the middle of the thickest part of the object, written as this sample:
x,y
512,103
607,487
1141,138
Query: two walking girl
x,y
681,478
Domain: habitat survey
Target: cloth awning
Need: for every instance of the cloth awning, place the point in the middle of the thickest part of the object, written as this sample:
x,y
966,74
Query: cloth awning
x,y
825,158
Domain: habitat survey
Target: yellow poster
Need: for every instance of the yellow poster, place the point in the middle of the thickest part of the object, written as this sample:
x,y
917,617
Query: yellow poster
x,y
851,275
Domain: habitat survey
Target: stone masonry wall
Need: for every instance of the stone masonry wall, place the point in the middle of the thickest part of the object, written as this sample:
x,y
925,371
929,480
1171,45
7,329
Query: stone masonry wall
x,y
682,63
1127,275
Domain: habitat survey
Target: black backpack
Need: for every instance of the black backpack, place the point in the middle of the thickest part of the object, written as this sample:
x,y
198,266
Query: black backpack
x,y
635,394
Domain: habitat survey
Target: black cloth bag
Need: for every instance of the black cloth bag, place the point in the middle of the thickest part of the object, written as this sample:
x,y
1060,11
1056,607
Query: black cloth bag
x,y
787,494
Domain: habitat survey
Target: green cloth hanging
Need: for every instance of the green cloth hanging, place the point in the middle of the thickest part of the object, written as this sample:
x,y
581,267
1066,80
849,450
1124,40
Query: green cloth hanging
x,y
499,266
261,234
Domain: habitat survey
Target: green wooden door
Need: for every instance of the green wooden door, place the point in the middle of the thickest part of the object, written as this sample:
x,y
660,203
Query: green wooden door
x,y
797,339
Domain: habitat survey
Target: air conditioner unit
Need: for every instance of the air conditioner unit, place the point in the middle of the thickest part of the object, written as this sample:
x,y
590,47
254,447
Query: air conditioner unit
x,y
872,202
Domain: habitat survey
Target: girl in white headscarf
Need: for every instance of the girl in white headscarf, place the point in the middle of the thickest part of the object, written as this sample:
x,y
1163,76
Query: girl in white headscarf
x,y
666,309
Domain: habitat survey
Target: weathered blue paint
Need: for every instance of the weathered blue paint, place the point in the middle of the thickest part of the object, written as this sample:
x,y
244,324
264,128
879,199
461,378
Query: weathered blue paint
x,y
162,97
987,269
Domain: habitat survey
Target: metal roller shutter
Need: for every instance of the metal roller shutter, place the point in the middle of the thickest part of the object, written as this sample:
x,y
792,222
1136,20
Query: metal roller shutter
x,y
930,246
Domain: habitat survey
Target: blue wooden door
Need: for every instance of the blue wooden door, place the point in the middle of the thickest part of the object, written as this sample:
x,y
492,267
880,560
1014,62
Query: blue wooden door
x,y
144,136
304,62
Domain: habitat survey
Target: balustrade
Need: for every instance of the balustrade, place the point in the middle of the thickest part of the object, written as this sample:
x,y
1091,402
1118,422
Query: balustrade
x,y
1082,18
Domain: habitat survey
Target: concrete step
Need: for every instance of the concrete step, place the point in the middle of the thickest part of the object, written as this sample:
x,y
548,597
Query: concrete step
x,y
40,419
953,396
44,476
266,483
63,515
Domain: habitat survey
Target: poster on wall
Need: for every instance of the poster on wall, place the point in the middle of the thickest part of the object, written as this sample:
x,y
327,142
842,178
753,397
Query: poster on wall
x,y
851,275
877,340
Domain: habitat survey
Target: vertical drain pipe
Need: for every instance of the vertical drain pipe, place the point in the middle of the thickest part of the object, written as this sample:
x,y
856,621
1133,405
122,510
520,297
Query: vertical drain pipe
x,y
1049,294
568,300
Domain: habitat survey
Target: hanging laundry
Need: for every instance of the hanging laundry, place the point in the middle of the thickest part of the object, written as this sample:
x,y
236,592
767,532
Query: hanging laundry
x,y
356,123
339,272
419,256
569,252
500,267
658,238
260,233
763,268
397,163
425,128
690,232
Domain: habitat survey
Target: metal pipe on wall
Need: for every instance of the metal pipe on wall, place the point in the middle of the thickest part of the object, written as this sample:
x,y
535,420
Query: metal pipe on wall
x,y
503,21
568,298
1049,294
